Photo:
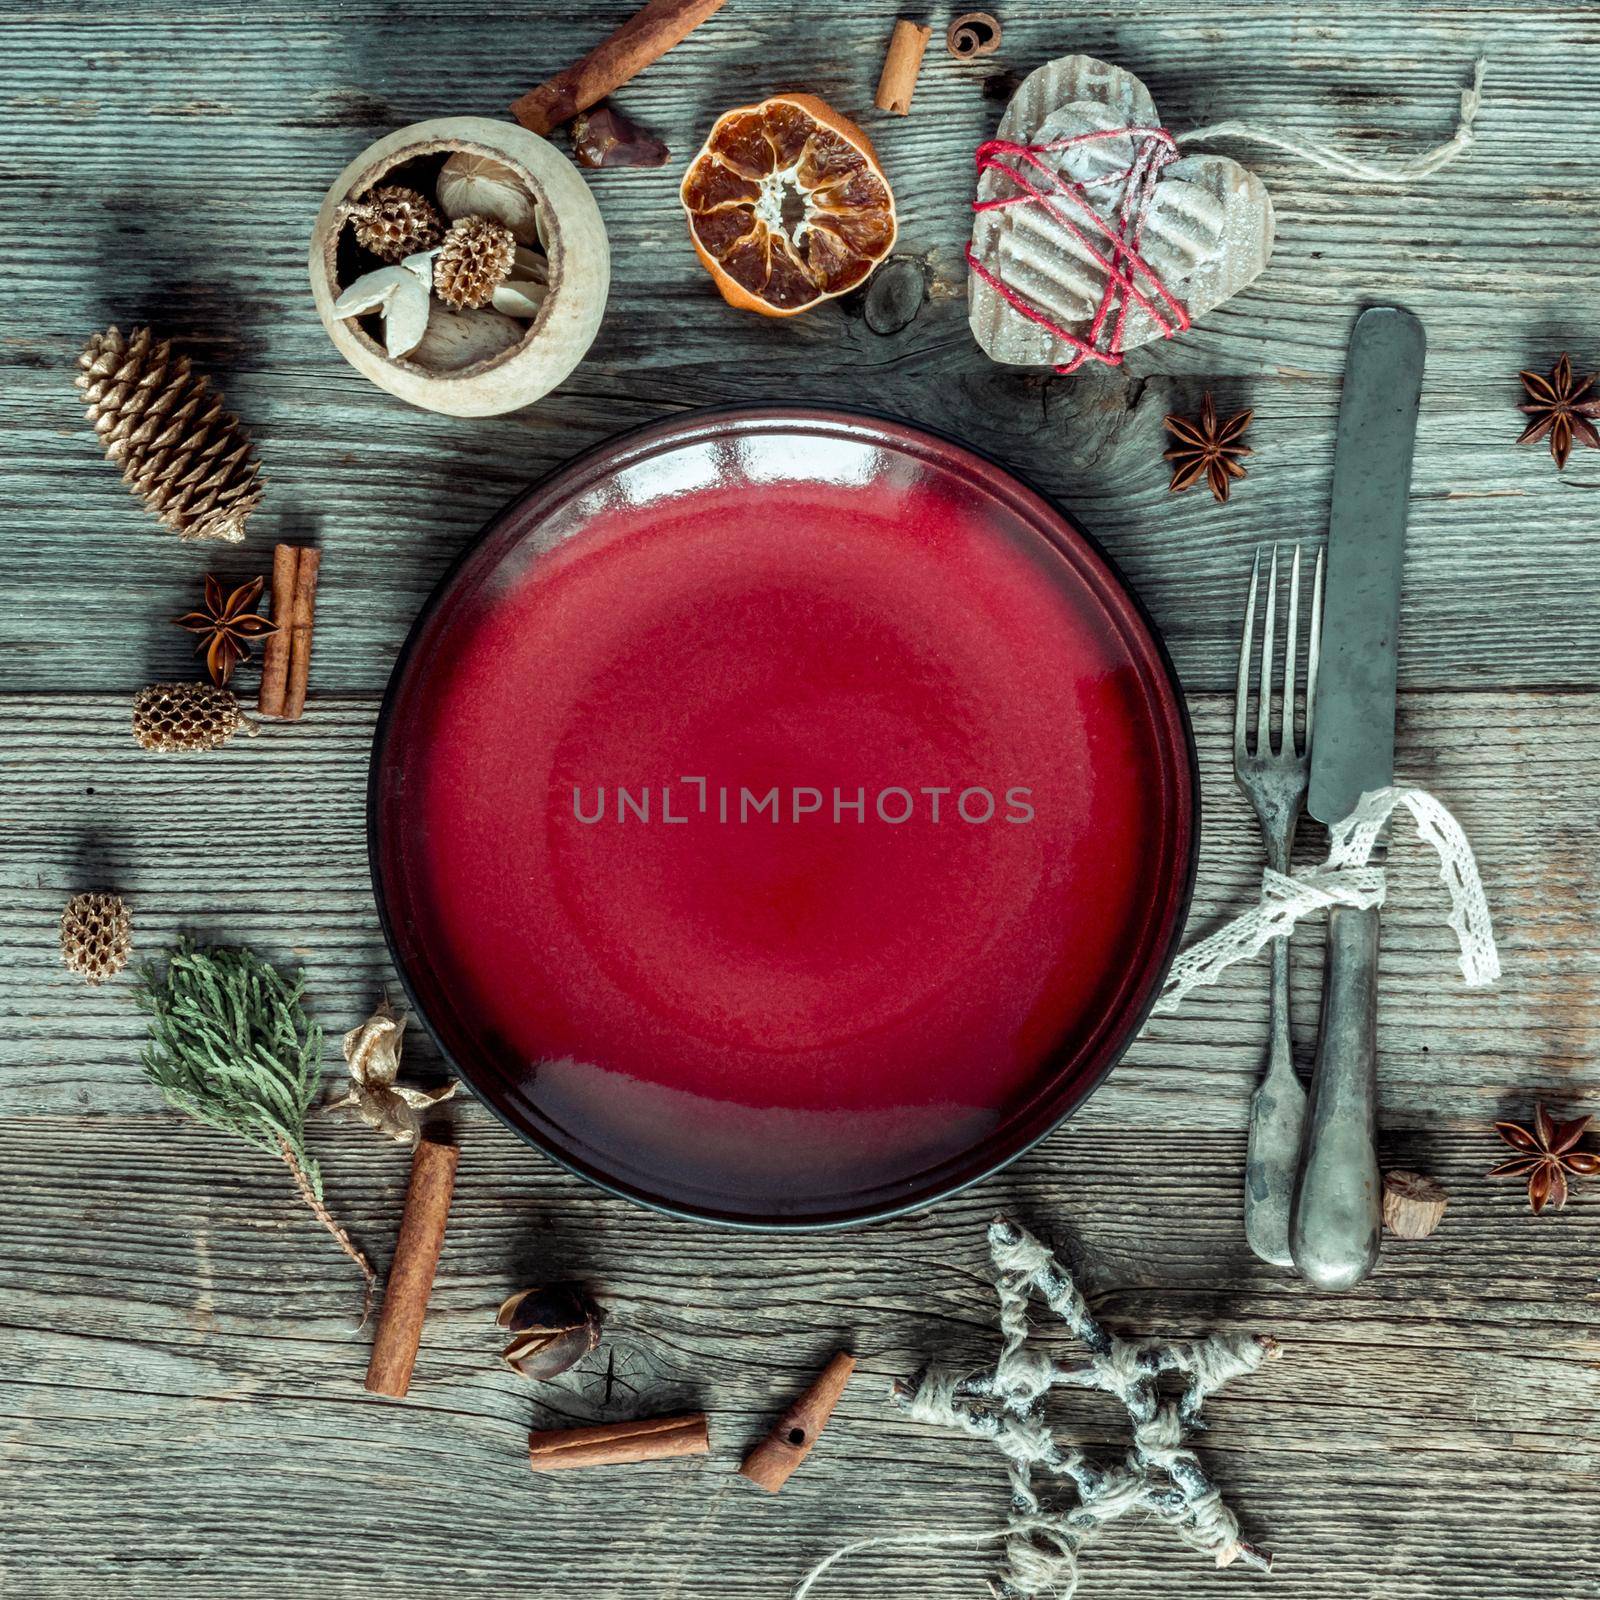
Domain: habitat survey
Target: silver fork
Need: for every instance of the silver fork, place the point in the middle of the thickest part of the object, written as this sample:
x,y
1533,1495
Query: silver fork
x,y
1275,780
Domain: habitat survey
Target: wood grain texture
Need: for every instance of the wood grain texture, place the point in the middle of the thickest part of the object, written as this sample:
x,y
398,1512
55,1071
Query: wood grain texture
x,y
181,1411
181,155
177,1329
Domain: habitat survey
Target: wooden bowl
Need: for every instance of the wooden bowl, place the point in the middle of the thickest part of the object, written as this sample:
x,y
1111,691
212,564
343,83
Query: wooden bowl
x,y
470,383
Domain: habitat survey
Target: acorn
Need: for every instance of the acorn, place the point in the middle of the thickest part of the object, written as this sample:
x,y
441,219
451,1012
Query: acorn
x,y
552,1328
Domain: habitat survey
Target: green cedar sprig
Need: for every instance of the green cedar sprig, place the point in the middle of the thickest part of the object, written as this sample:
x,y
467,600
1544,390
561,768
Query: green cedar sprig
x,y
231,1045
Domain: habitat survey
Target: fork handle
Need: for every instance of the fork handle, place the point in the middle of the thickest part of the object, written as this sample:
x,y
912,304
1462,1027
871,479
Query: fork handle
x,y
1334,1230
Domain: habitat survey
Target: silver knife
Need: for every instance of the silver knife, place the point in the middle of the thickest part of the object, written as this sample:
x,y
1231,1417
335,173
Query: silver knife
x,y
1335,1225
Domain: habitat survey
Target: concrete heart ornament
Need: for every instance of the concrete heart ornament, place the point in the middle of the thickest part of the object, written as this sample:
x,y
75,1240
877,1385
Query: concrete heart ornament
x,y
1092,233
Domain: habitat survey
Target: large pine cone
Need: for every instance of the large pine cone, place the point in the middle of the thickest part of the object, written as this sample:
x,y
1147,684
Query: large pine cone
x,y
165,427
474,260
186,717
96,936
395,222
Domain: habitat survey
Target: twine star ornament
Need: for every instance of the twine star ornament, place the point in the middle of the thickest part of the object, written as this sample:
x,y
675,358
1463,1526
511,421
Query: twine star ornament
x,y
1160,1475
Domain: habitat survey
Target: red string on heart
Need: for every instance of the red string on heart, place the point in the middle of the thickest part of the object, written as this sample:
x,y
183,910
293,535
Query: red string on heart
x,y
1130,280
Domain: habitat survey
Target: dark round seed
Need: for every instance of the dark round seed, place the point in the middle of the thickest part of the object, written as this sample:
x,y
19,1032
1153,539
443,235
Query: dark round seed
x,y
895,295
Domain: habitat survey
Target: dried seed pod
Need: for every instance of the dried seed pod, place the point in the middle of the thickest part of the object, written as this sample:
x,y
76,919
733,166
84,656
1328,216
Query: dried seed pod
x,y
186,717
474,260
394,222
605,138
96,936
551,1328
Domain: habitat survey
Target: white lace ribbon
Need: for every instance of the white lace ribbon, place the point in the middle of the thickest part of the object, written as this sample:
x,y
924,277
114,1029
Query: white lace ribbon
x,y
1345,879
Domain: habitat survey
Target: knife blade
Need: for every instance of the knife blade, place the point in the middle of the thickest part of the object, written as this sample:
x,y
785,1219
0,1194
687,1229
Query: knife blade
x,y
1354,746
1335,1224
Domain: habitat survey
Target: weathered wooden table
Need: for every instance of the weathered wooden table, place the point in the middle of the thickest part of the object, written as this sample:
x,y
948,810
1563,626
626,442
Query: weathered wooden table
x,y
182,1411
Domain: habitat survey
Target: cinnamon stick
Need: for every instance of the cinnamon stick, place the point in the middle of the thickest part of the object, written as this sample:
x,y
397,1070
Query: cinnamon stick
x,y
416,1259
618,1443
275,651
901,66
790,1442
972,34
645,37
300,622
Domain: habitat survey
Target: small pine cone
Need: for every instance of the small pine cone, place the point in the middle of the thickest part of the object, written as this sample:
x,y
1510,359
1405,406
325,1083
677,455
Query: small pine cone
x,y
96,936
165,427
186,717
474,260
395,222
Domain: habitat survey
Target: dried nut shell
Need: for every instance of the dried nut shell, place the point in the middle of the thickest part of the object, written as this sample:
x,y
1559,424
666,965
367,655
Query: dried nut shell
x,y
520,297
552,1328
524,292
579,255
456,340
400,295
1413,1205
471,185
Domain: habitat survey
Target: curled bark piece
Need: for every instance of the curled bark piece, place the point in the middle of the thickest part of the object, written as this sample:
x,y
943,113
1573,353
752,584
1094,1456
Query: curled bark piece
x,y
901,66
416,1260
972,34
645,37
275,652
619,1443
302,613
790,1442
1413,1205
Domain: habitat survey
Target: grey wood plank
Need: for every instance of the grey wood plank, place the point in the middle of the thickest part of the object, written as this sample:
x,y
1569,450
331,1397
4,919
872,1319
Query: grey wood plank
x,y
178,1334
179,1359
264,842
201,142
180,1410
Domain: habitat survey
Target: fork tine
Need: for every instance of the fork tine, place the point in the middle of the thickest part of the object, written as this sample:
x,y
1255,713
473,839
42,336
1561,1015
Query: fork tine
x,y
1291,644
1241,698
1315,649
1264,707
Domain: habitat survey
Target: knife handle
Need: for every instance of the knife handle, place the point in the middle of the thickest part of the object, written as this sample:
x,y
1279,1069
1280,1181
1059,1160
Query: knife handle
x,y
1334,1229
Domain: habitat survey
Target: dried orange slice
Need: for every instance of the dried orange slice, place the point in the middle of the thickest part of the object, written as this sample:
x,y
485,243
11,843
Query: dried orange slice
x,y
787,205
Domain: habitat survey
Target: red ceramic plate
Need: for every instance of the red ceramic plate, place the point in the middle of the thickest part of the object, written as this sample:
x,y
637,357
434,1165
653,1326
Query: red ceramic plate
x,y
783,817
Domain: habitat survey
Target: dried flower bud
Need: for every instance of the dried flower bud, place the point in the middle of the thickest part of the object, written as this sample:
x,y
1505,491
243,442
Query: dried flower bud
x,y
551,1329
606,138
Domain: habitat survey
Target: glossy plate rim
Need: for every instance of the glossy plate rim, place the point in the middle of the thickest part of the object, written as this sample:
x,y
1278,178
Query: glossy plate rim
x,y
618,449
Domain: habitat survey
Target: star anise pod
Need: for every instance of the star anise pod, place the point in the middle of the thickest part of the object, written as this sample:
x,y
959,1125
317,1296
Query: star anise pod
x,y
1207,448
1560,406
1546,1154
226,626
